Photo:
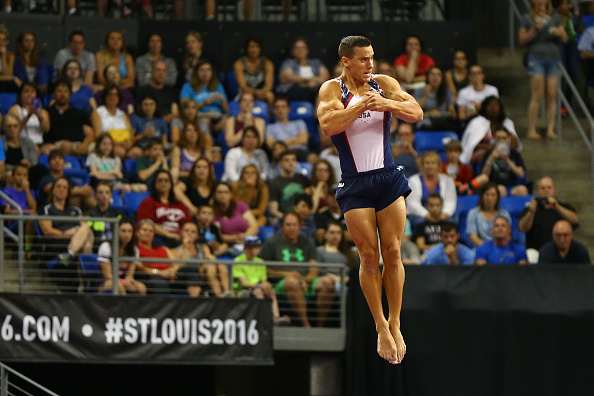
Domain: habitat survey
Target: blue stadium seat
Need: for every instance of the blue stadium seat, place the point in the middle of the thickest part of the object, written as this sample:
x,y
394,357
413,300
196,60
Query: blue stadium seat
x,y
119,204
306,169
464,204
75,172
133,199
6,101
588,20
266,232
260,109
433,141
91,270
515,205
43,160
231,85
130,169
219,170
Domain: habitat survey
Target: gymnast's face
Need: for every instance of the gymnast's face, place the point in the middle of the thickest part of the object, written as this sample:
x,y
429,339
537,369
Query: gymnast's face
x,y
360,65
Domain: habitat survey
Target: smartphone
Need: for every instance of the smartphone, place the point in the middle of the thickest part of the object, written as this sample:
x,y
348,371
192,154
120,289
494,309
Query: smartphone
x,y
36,103
504,148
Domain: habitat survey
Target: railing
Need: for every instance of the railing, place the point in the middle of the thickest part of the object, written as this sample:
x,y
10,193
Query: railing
x,y
514,15
22,386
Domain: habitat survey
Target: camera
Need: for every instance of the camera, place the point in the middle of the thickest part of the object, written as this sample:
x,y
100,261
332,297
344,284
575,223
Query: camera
x,y
504,148
542,201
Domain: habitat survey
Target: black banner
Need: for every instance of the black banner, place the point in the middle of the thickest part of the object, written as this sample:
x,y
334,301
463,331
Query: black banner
x,y
131,329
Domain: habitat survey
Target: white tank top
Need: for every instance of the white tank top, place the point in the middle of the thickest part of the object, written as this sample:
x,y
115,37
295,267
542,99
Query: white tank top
x,y
110,122
32,129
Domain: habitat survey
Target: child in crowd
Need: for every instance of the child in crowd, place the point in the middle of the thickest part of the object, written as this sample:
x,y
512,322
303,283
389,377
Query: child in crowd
x,y
147,167
303,208
21,193
210,233
427,234
461,173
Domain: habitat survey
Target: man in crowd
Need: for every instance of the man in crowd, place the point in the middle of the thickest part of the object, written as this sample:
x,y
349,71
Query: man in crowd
x,y
501,249
76,50
471,97
563,249
285,186
293,133
165,95
403,150
449,250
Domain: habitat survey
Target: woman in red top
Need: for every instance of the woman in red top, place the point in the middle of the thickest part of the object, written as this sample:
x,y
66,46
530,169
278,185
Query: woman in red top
x,y
411,67
156,276
168,214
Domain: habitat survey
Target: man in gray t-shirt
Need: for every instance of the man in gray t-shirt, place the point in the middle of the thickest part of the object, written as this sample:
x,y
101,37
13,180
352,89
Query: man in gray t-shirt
x,y
76,50
293,133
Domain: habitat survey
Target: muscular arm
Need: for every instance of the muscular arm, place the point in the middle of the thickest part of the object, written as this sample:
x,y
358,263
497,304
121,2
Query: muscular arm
x,y
333,117
398,102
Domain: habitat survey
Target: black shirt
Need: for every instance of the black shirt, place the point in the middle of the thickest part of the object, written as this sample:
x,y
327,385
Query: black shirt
x,y
542,227
577,254
102,230
67,125
430,230
194,196
62,225
164,97
14,155
501,172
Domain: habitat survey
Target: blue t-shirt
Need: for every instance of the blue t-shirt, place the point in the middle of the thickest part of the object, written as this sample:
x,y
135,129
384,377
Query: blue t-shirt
x,y
437,255
188,92
20,197
510,254
139,124
80,99
2,153
284,132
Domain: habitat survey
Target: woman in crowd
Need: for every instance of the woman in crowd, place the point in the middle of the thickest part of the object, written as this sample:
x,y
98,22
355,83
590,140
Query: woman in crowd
x,y
193,53
147,123
165,210
190,147
189,114
254,72
480,219
198,189
82,95
157,276
127,283
34,119
322,179
144,63
437,102
7,79
28,65
253,190
412,65
457,77
114,53
247,153
235,125
17,149
113,77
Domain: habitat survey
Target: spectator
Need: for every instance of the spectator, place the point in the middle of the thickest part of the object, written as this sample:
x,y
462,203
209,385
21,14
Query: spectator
x,y
563,249
380,67
471,97
206,90
480,219
403,149
198,189
236,125
108,118
293,284
542,31
127,248
70,129
478,137
322,179
428,233
114,53
457,77
34,119
253,190
331,156
300,76
539,218
569,51
234,219
437,102
248,153
147,8
102,230
331,214
303,208
459,172
145,64
28,65
76,51
21,193
17,149
147,123
253,278
449,250
165,95
505,165
254,72
412,65
189,113
7,80
428,181
113,77
193,53
501,249
168,214
285,186
81,97
293,133
209,233
191,146
105,166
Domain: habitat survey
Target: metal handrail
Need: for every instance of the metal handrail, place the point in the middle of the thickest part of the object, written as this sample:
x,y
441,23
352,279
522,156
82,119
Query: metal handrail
x,y
4,370
20,239
514,11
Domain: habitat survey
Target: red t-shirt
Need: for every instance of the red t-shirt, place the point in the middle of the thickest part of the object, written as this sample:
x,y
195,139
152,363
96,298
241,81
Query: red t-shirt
x,y
425,62
464,175
155,252
170,217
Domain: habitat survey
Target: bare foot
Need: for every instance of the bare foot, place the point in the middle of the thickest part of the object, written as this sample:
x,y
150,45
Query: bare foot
x,y
400,345
551,135
386,347
533,136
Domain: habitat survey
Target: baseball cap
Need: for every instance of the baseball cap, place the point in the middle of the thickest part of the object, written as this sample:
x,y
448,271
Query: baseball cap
x,y
252,240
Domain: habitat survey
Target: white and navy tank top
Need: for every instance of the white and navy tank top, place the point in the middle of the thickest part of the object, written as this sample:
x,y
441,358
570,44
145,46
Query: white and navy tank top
x,y
365,144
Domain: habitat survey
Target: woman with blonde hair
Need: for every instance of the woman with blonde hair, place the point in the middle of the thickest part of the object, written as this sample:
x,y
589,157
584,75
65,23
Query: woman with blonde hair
x,y
251,189
193,53
114,52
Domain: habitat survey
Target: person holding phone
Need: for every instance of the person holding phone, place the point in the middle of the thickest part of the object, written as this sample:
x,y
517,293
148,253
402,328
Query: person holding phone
x,y
35,121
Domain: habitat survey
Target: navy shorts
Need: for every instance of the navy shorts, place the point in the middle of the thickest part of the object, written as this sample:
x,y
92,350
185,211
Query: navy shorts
x,y
373,189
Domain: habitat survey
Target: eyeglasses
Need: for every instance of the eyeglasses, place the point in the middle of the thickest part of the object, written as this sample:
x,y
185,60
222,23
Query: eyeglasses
x,y
162,180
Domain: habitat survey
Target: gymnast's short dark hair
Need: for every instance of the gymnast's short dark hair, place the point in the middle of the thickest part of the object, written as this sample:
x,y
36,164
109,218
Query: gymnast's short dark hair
x,y
349,43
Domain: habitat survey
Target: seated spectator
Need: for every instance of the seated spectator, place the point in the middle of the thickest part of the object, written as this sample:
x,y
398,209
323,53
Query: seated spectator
x,y
563,249
193,54
147,8
253,190
102,230
449,251
34,119
17,149
538,219
298,283
331,214
190,147
234,218
403,149
412,65
206,90
428,181
108,118
113,77
105,166
157,276
253,278
236,125
501,249
76,51
126,281
28,65
461,173
7,81
457,77
409,252
285,186
81,97
114,53
301,76
302,206
478,137
247,153
198,189
189,114
437,102
210,233
145,63
168,214
505,165
70,129
147,123
293,133
380,66
165,95
254,72
471,97
322,179
480,219
21,193
331,156
428,233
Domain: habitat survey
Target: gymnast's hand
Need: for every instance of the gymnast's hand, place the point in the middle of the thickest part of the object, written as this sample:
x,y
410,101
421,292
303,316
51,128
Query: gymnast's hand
x,y
376,102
